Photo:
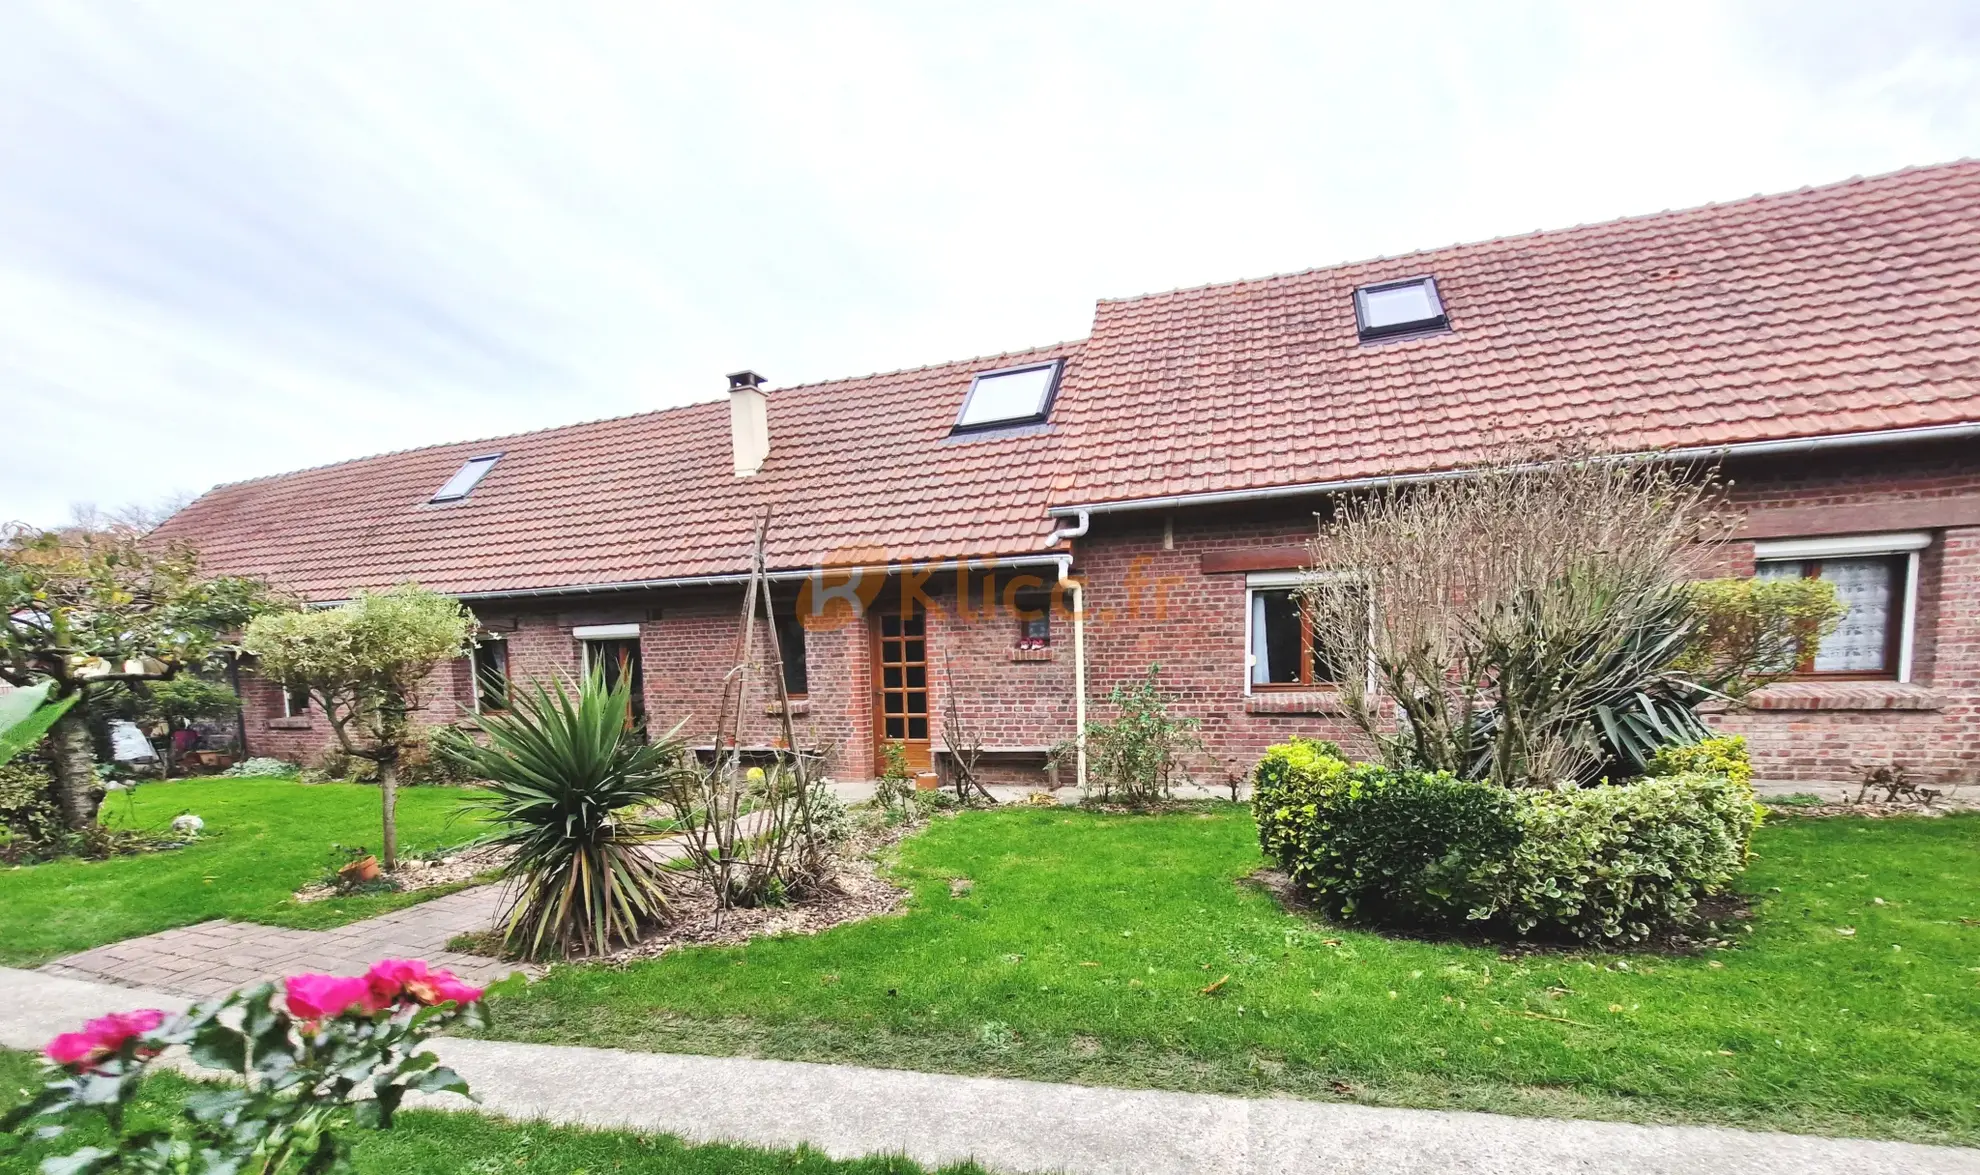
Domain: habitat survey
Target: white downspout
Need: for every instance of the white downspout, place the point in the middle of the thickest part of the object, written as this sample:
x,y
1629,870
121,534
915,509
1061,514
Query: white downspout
x,y
1079,669
1078,530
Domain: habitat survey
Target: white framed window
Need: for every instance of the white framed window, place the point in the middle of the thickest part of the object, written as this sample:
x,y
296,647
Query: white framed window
x,y
1876,577
613,650
1280,651
295,702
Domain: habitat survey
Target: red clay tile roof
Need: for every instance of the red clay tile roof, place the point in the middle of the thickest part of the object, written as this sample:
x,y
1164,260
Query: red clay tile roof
x,y
860,470
1854,307
1848,308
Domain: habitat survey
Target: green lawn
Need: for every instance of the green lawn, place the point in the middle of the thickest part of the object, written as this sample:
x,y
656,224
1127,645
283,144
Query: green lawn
x,y
264,838
429,1143
1082,950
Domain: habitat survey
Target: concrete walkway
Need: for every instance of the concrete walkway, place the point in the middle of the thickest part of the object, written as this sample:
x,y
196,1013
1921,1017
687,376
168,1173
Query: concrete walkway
x,y
1025,1126
219,956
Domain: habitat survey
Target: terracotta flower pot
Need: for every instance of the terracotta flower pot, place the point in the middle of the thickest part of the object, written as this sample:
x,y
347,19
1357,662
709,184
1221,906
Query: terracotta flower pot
x,y
363,869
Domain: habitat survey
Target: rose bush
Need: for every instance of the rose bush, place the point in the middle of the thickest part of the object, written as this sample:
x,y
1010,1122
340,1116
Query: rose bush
x,y
309,1061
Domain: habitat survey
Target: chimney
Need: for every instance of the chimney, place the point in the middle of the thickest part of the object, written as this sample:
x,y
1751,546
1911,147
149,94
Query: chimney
x,y
749,422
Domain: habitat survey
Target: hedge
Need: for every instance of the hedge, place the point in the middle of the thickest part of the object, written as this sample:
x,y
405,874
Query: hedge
x,y
1612,863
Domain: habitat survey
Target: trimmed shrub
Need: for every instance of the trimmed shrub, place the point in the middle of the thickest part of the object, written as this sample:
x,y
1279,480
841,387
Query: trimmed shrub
x,y
1375,844
1611,863
1617,862
1723,754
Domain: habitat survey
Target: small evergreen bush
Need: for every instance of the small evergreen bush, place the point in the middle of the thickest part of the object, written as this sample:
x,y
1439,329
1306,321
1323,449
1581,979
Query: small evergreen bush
x,y
1611,863
30,822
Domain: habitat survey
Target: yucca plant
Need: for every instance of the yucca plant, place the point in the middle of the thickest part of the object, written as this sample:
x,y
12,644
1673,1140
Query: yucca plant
x,y
568,784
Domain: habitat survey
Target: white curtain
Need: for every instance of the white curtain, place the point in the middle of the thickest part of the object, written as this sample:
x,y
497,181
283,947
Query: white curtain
x,y
1859,642
1261,661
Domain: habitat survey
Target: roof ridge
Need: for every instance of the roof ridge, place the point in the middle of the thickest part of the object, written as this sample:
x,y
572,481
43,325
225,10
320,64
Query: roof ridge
x,y
508,436
715,399
1584,226
1062,343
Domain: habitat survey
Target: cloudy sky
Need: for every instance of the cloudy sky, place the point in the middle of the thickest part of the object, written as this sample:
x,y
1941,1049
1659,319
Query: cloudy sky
x,y
239,238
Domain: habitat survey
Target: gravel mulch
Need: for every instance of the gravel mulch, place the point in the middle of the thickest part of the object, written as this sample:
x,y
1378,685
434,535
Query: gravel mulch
x,y
422,873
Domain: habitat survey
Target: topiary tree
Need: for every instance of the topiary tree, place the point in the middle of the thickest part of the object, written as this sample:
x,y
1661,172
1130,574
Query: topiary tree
x,y
88,611
366,663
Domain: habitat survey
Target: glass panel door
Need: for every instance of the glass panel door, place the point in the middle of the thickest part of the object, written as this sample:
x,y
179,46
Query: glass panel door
x,y
900,670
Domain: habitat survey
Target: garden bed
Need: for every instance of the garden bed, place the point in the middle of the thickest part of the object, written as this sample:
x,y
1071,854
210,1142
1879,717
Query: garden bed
x,y
417,874
857,890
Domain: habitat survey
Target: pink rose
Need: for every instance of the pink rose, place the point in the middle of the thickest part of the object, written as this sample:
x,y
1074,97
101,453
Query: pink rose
x,y
73,1048
323,997
450,988
103,1037
396,979
390,979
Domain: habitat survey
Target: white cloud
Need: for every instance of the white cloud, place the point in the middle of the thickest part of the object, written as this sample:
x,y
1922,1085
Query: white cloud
x,y
238,239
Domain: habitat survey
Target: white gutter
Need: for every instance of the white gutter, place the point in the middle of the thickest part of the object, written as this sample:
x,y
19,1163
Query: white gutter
x,y
1893,436
986,563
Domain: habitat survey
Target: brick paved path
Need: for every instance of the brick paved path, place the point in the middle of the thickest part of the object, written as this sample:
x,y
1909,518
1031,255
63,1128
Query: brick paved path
x,y
219,956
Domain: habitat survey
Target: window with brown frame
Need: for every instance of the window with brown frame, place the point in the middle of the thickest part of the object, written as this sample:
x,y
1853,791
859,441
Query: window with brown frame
x,y
1284,654
1873,590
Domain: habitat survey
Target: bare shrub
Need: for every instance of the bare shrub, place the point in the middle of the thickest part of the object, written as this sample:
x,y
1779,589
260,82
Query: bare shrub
x,y
1523,624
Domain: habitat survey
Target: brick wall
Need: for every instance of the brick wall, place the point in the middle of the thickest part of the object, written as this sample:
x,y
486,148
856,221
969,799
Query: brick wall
x,y
1826,733
1150,601
687,644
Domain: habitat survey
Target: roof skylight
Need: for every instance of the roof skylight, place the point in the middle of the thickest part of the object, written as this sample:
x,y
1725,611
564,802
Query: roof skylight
x,y
1399,308
467,477
1014,395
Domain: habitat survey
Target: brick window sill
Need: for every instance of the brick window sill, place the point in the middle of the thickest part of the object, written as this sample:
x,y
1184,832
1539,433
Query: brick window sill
x,y
291,724
799,707
1843,695
1301,702
1031,654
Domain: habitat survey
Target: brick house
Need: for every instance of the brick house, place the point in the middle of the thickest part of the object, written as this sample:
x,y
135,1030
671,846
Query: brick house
x,y
1822,347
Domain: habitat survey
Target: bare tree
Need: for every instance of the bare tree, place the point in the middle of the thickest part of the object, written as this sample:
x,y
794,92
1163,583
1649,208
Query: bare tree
x,y
753,840
962,739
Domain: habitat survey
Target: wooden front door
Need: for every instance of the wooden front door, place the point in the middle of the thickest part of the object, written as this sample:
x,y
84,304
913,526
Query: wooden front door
x,y
900,687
